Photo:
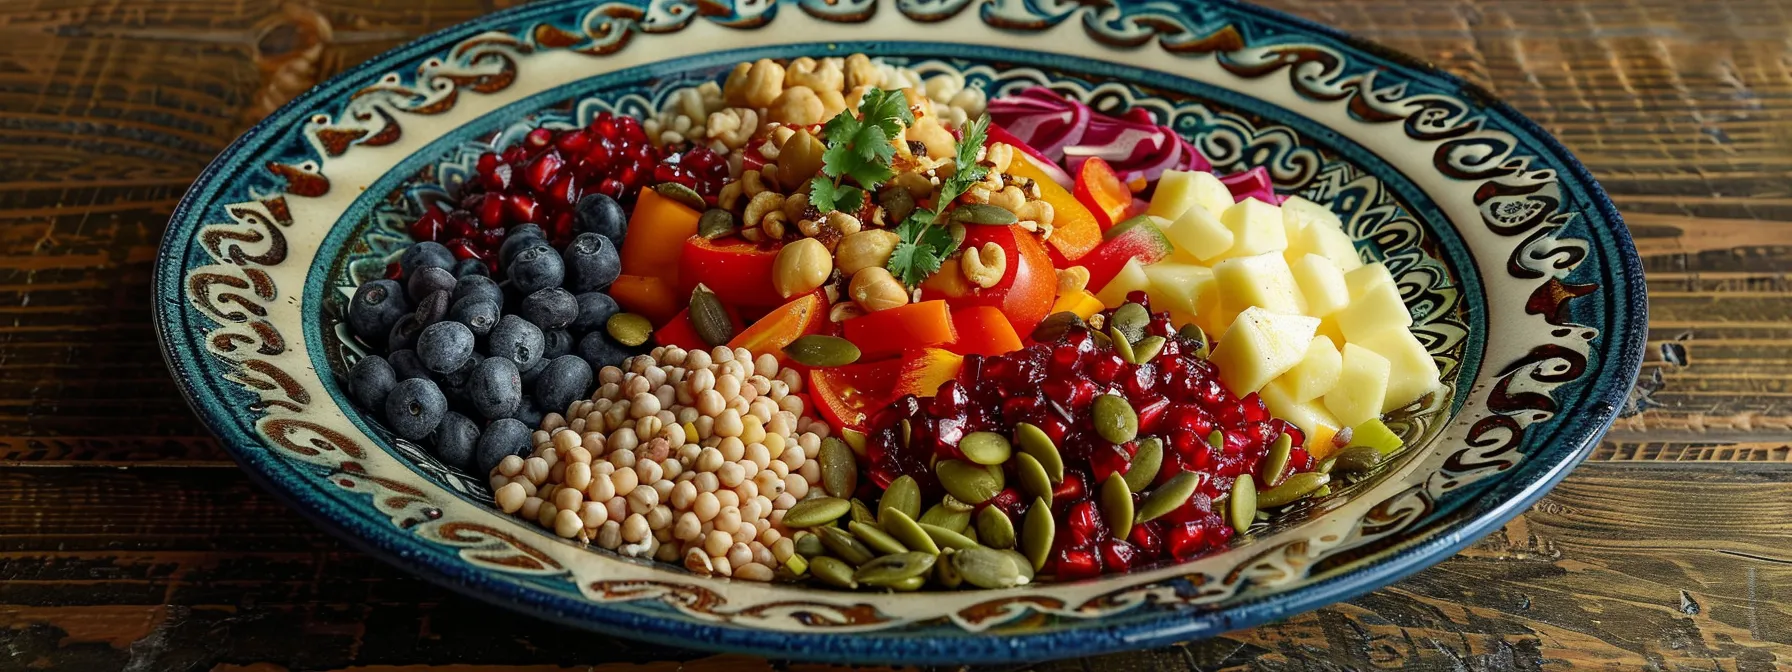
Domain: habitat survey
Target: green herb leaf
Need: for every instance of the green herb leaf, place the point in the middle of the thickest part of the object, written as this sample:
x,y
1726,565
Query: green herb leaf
x,y
822,193
925,242
912,263
849,199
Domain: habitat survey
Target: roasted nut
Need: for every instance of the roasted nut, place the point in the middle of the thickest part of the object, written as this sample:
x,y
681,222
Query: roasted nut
x,y
795,206
844,310
824,75
773,225
797,106
809,227
732,127
801,267
941,87
854,95
764,202
843,224
734,90
1072,280
764,82
752,183
730,195
928,131
1009,198
1040,212
832,103
999,156
799,157
875,289
984,267
865,249
860,72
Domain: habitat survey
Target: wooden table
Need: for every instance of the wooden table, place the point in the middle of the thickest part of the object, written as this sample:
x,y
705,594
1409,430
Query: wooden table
x,y
129,540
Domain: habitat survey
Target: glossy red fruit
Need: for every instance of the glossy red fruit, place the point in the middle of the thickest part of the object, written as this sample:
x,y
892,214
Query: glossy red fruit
x,y
1073,564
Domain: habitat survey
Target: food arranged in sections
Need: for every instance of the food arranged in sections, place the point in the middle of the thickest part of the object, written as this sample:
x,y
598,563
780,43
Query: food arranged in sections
x,y
826,320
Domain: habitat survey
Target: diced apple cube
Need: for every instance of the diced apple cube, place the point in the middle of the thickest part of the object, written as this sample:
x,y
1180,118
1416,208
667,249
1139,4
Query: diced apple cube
x,y
1362,386
1176,287
1198,235
1317,372
1178,190
1261,345
1298,213
1263,281
1412,372
1256,228
1321,284
1131,278
1326,242
1376,309
1360,279
1310,416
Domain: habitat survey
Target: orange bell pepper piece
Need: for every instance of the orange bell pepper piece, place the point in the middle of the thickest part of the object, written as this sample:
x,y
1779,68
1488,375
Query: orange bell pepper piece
x,y
648,296
657,230
803,315
682,332
983,330
887,333
848,395
925,370
739,272
1099,188
1074,229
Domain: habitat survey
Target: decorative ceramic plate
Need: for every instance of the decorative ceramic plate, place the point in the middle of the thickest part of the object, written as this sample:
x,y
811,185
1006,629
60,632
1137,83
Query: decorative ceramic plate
x,y
1525,287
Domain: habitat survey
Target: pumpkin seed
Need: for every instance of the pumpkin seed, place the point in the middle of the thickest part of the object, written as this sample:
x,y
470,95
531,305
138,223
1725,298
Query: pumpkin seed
x,y
912,535
947,576
971,534
1033,480
954,504
845,546
1357,459
985,447
1036,533
1116,505
1216,440
808,545
986,568
1292,490
1241,510
1146,349
1262,516
994,529
907,432
947,518
1121,346
979,213
1130,318
1021,563
715,223
957,232
709,317
1165,498
862,513
1197,338
946,538
816,512
833,572
1326,466
1323,491
1114,419
822,351
908,585
855,440
682,194
1100,337
875,537
839,469
904,495
629,329
968,482
797,565
1034,441
1277,460
1145,464
1055,325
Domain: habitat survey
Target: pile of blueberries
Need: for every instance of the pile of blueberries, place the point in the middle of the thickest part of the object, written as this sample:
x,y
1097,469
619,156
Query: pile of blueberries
x,y
466,364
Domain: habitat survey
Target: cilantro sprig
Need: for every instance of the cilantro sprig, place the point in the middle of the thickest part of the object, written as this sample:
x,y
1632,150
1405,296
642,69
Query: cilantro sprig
x,y
924,241
859,150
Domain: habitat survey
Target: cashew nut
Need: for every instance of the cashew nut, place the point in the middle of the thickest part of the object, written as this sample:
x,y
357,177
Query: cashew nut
x,y
860,72
825,75
773,225
734,89
762,203
752,183
730,195
764,82
732,126
1038,211
999,156
795,206
1072,280
1009,198
984,267
843,223
797,106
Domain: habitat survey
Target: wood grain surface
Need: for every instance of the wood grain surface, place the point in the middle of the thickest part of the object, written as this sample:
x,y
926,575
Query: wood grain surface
x,y
128,539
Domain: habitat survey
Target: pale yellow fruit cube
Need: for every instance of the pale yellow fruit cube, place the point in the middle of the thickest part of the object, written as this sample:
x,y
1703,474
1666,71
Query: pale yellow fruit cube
x,y
1177,287
1298,213
1360,279
1130,278
1178,190
1259,346
1362,386
1327,242
1256,228
1412,371
1376,310
1321,285
1264,281
1197,235
1317,372
1310,416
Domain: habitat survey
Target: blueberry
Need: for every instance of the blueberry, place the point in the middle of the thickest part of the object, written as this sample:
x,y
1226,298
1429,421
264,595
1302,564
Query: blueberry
x,y
566,379
370,380
471,267
445,347
458,378
532,373
425,254
595,309
432,308
503,438
404,333
556,343
600,351
551,308
426,281
529,413
478,314
456,439
517,340
406,364
376,307
591,263
495,388
535,268
517,239
602,215
477,286
414,408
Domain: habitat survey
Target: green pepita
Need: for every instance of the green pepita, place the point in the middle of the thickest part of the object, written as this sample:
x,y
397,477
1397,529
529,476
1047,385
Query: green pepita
x,y
1130,318
1099,336
948,577
985,447
957,231
1323,491
948,518
1277,461
904,495
1034,441
808,545
1021,563
986,568
845,546
907,432
945,538
855,440
682,194
1122,346
1326,466
875,537
1036,533
912,535
968,482
890,569
1055,325
715,223
709,317
1145,464
1116,505
1033,480
816,512
862,513
908,585
971,534
832,571
839,468
1262,516
979,213
822,351
1165,498
956,504
994,529
1197,338
1241,508
1216,440
629,329
1357,459
1296,487
1146,349
1114,418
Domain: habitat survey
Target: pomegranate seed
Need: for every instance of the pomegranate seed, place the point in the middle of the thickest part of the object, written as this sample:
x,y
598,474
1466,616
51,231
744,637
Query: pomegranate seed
x,y
1073,564
1117,555
394,271
429,226
464,249
1069,490
539,137
491,212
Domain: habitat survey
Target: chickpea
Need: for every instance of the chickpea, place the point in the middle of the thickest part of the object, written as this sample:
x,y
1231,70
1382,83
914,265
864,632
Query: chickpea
x,y
763,83
797,106
801,267
865,249
874,289
859,72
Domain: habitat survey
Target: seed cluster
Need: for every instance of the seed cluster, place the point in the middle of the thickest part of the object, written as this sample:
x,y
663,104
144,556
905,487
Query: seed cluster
x,y
691,456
